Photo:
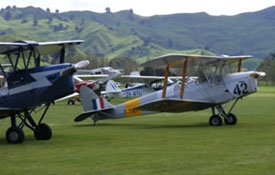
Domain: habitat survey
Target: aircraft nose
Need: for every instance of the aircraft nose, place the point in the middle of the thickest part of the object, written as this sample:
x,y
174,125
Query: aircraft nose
x,y
257,74
71,70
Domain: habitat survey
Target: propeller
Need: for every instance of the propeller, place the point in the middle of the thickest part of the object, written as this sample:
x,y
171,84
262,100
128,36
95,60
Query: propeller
x,y
258,74
71,70
82,64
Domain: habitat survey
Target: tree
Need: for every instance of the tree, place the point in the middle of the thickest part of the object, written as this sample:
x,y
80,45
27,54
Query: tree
x,y
50,19
131,14
108,10
7,16
35,22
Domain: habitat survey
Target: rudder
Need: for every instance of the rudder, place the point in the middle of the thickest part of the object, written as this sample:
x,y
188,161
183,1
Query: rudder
x,y
111,86
90,101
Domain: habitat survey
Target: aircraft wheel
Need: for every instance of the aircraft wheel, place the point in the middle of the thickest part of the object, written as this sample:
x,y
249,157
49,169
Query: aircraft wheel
x,y
43,132
70,102
230,119
15,135
215,120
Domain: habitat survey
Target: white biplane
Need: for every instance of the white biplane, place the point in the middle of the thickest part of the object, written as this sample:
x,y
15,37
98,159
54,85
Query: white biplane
x,y
214,86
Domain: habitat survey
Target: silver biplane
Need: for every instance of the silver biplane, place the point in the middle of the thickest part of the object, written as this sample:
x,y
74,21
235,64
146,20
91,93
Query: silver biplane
x,y
214,83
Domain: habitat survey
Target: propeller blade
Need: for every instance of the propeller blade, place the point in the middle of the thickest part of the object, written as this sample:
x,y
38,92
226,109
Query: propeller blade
x,y
82,64
71,70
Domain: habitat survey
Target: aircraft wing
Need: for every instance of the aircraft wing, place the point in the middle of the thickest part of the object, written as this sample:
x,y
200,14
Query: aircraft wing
x,y
7,112
103,114
6,47
90,76
174,105
177,60
44,48
142,78
147,80
67,97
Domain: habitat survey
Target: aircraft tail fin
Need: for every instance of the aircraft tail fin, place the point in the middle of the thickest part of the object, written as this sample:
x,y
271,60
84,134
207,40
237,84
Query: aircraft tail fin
x,y
90,101
111,86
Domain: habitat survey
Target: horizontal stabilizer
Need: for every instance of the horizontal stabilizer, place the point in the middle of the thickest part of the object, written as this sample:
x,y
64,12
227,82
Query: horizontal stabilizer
x,y
87,114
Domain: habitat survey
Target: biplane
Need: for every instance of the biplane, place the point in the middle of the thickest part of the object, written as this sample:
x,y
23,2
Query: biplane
x,y
32,84
216,81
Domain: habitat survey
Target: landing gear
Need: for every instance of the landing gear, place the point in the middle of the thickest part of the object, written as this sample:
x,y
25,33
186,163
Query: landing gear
x,y
71,102
215,120
229,118
15,133
43,132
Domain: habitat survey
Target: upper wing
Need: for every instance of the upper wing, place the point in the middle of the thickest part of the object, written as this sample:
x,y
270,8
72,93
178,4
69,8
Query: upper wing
x,y
44,48
174,105
6,47
176,60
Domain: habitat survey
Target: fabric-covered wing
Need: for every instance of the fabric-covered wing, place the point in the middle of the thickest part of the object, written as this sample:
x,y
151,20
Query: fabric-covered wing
x,y
7,112
6,47
143,79
46,48
174,105
177,60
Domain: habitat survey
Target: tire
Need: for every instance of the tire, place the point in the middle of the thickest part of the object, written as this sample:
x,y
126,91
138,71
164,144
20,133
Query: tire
x,y
70,102
230,119
215,120
43,132
15,135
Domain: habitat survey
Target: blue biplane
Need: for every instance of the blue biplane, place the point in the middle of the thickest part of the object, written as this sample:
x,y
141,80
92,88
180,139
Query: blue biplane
x,y
27,84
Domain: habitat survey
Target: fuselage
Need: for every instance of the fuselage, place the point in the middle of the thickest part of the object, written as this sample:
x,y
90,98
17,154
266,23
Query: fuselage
x,y
32,87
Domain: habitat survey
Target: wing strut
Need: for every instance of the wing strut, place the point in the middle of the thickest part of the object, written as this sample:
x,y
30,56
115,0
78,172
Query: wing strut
x,y
184,73
62,55
165,81
240,65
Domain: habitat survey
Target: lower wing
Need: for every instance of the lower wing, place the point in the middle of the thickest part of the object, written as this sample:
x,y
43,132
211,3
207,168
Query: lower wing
x,y
175,105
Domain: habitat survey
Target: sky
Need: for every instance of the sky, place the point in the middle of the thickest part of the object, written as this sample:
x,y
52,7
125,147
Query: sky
x,y
148,7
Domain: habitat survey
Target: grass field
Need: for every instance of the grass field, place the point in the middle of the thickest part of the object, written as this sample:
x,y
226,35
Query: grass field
x,y
154,144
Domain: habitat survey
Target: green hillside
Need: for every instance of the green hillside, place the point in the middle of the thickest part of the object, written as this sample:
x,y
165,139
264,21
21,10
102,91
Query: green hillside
x,y
126,34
